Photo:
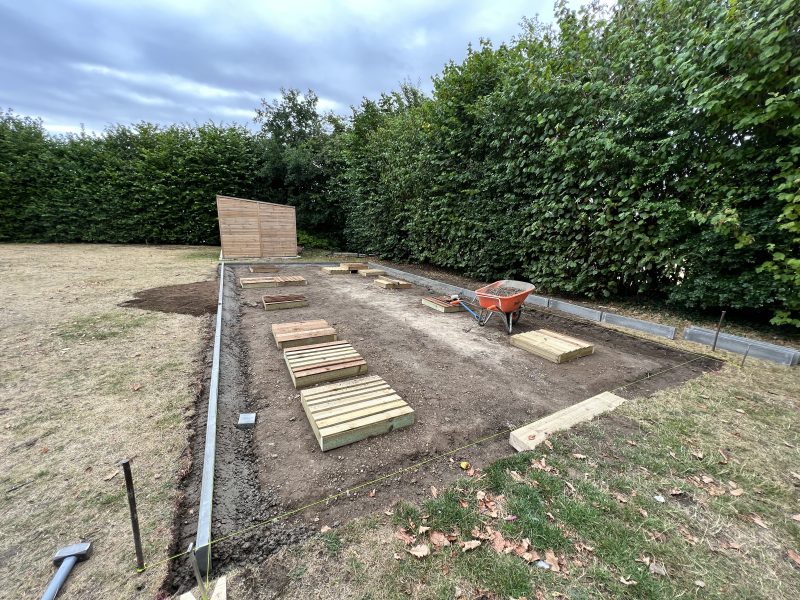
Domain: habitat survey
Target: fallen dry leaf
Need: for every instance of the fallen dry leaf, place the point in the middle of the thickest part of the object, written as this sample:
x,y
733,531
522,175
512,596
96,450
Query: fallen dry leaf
x,y
549,444
389,513
470,545
404,537
471,472
796,517
643,512
420,551
737,492
397,556
324,529
372,494
550,559
439,539
624,581
631,443
794,556
111,476
579,456
464,465
621,497
656,568
423,529
434,492
758,521
136,387
697,453
707,479
498,543
516,476
700,583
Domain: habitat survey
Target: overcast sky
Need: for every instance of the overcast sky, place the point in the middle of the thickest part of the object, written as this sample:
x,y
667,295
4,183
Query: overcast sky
x,y
97,62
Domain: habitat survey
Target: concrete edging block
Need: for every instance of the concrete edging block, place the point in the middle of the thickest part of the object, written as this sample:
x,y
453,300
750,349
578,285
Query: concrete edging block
x,y
665,331
574,309
739,345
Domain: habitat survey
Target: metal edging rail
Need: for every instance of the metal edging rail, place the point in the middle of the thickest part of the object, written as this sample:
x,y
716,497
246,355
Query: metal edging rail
x,y
203,540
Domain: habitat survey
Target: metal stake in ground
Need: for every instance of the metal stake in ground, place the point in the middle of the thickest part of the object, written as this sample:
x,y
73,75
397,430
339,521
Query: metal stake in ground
x,y
716,335
137,541
65,559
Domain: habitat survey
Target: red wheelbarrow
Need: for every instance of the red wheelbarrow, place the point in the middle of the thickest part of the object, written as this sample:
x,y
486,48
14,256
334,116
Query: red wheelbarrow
x,y
506,296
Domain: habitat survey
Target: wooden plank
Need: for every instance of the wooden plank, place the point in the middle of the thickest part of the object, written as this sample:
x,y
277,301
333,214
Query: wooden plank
x,y
353,266
371,272
555,347
267,282
442,304
391,284
283,302
336,271
325,362
531,435
303,333
264,269
342,413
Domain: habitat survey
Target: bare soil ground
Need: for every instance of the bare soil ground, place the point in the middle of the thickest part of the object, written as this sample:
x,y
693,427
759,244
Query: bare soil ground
x,y
85,382
464,382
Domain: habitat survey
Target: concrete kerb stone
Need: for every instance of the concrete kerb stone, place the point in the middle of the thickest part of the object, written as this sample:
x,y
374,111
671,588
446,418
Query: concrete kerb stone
x,y
573,309
640,325
739,345
432,284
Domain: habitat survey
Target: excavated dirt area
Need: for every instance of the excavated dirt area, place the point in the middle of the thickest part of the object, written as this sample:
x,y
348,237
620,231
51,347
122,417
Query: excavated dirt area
x,y
196,299
464,382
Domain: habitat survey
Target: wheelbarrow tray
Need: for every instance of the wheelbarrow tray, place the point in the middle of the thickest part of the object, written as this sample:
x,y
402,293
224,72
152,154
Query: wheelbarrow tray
x,y
490,299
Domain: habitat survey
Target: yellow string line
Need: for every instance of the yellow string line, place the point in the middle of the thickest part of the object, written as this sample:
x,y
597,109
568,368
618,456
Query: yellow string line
x,y
360,486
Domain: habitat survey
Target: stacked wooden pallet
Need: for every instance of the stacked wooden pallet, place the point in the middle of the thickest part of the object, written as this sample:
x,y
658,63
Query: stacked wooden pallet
x,y
336,270
552,346
343,413
268,282
318,363
442,304
529,436
389,283
371,272
264,269
354,267
284,301
303,333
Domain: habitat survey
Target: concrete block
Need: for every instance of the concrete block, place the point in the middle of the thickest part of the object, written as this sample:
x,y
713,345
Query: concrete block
x,y
640,325
537,300
574,309
246,421
734,343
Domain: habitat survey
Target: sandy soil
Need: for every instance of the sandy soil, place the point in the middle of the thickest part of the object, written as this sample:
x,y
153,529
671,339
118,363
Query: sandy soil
x,y
464,382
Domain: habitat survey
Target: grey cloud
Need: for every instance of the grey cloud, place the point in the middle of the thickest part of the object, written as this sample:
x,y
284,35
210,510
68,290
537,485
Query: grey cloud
x,y
100,63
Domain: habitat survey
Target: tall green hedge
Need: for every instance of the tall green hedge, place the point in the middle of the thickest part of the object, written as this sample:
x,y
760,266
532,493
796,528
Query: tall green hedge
x,y
651,148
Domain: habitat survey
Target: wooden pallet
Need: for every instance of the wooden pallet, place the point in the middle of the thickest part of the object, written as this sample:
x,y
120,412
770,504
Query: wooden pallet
x,y
533,434
264,269
391,284
303,333
268,282
371,272
318,363
285,301
442,304
354,266
346,412
552,346
336,271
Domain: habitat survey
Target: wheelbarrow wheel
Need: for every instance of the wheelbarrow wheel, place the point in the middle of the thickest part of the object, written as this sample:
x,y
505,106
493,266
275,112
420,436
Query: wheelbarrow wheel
x,y
512,318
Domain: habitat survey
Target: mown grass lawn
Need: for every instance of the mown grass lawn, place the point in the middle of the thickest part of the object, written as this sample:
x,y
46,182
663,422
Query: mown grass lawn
x,y
690,493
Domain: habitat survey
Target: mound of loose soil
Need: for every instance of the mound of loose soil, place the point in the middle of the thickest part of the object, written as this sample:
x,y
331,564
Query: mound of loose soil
x,y
196,299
